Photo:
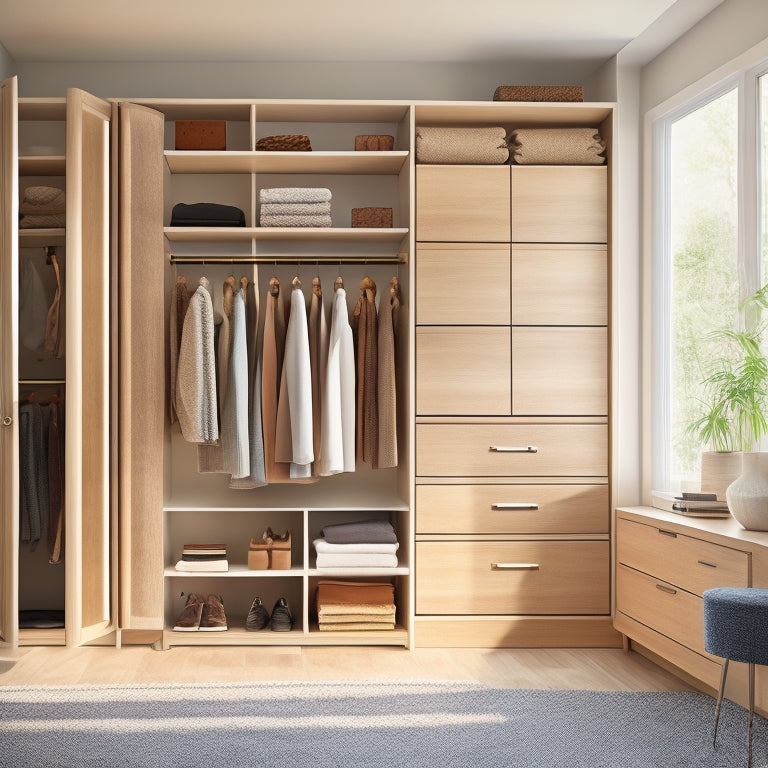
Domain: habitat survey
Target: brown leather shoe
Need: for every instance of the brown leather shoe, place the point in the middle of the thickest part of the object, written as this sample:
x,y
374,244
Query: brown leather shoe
x,y
189,618
213,619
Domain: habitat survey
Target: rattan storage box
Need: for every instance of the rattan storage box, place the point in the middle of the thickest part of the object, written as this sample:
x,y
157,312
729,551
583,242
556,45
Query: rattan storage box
x,y
201,134
539,93
371,217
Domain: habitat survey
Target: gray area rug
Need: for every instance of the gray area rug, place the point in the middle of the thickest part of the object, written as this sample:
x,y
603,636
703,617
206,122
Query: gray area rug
x,y
366,725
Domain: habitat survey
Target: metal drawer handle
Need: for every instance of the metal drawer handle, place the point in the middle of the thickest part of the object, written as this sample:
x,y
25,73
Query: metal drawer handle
x,y
709,565
671,534
514,566
513,449
666,589
502,505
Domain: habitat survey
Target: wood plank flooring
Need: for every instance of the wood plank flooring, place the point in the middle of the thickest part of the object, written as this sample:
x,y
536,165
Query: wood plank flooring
x,y
596,669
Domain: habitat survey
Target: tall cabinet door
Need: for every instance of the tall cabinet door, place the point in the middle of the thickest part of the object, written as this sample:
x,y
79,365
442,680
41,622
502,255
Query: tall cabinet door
x,y
87,442
9,312
141,369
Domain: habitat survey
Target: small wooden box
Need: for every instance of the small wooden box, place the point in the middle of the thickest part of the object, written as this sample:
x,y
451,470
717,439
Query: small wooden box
x,y
201,134
371,217
374,143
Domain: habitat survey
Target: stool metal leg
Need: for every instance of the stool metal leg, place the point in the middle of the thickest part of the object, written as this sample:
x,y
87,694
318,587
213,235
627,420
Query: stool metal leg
x,y
720,692
751,713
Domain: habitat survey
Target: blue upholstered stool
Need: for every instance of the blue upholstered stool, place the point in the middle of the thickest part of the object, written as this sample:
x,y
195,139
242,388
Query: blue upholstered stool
x,y
736,628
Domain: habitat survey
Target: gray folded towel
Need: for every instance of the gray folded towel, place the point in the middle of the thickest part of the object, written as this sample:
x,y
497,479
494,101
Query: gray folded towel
x,y
295,195
287,220
295,209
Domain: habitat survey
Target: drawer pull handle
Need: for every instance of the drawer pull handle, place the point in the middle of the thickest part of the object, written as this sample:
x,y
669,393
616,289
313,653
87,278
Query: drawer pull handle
x,y
503,505
671,534
708,565
514,566
513,449
666,589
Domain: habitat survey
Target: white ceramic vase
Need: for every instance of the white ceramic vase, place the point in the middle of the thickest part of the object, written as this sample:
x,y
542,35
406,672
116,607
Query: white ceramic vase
x,y
747,495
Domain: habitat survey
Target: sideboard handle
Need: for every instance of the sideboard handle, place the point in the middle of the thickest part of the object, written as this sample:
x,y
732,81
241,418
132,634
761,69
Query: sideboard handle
x,y
504,505
671,534
666,589
709,565
513,449
514,566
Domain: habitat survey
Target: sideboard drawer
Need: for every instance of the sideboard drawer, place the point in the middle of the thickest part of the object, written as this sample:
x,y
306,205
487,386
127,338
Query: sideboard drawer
x,y
503,450
463,371
662,606
508,508
689,563
497,577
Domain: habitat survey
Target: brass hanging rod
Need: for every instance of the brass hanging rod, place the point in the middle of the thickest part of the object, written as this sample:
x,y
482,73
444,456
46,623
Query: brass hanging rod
x,y
40,382
400,258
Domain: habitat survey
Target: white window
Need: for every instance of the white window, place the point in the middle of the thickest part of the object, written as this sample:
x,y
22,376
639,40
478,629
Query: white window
x,y
710,252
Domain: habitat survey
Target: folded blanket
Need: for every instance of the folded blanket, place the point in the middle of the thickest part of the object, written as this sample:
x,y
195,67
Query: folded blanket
x,y
289,220
336,612
557,146
206,215
202,566
296,209
355,560
295,195
39,197
322,545
355,592
484,146
354,626
363,531
49,221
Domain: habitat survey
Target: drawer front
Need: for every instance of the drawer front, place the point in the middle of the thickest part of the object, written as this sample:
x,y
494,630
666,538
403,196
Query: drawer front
x,y
463,371
462,203
559,371
490,577
503,450
662,606
559,204
468,509
684,561
462,284
559,285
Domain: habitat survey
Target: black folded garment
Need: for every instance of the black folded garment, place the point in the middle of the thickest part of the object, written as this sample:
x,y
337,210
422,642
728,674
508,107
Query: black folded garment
x,y
206,215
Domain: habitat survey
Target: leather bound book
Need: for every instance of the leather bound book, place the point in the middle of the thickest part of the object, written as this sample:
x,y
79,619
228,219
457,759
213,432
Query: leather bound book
x,y
201,134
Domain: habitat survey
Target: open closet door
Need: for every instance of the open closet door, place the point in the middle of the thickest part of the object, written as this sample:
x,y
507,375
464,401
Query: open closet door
x,y
89,283
141,309
9,313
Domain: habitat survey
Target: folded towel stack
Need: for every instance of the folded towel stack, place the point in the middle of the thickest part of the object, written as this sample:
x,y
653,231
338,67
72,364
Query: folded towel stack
x,y
42,207
295,207
355,605
557,146
203,557
481,146
364,544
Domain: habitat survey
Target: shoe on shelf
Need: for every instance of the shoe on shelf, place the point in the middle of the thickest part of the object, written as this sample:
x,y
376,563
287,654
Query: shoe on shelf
x,y
281,621
258,616
189,618
213,619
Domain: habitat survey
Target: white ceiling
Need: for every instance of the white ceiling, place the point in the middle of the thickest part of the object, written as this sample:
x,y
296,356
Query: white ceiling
x,y
327,30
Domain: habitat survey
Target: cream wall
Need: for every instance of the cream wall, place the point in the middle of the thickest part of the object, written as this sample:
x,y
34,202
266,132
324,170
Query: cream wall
x,y
7,65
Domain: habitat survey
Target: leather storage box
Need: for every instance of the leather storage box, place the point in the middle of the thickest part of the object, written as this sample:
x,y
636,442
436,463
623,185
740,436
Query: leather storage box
x,y
371,217
375,143
201,134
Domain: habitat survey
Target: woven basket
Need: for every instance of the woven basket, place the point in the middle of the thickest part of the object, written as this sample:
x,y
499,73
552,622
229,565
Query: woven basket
x,y
284,143
539,93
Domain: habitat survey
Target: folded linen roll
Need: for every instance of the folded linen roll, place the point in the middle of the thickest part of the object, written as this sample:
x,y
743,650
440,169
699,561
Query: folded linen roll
x,y
557,146
337,610
49,221
352,617
202,566
361,626
286,220
480,145
42,199
355,560
295,195
296,209
382,548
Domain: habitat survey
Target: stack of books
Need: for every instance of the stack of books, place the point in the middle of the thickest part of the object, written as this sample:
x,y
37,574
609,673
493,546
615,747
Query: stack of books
x,y
203,557
691,504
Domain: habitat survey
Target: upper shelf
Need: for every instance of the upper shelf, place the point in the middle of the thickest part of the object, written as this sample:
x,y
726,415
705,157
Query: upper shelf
x,y
240,234
343,162
42,165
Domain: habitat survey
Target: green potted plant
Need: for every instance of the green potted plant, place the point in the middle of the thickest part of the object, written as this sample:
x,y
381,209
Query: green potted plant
x,y
734,419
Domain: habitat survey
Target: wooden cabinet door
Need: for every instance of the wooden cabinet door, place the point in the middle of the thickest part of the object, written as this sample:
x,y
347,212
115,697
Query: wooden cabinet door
x,y
141,372
9,407
462,203
559,204
88,608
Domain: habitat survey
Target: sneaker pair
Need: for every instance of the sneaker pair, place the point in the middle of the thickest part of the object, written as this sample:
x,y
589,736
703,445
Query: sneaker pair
x,y
202,615
259,618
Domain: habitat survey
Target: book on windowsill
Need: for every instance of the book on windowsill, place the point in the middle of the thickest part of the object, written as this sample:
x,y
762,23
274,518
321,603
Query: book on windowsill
x,y
691,504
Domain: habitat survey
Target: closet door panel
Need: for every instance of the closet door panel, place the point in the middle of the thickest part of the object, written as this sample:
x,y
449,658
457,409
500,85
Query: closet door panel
x,y
9,311
141,382
88,610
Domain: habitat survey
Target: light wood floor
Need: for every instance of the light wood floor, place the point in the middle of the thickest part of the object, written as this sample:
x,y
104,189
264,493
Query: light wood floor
x,y
598,669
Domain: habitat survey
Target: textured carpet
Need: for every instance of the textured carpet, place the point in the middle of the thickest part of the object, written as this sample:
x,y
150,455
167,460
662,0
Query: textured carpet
x,y
367,724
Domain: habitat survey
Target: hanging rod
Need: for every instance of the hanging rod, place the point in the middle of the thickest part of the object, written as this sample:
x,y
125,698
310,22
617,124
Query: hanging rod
x,y
40,382
400,258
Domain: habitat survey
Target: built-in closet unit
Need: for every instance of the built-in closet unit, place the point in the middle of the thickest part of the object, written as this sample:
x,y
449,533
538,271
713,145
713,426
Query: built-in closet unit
x,y
165,501
512,414
56,584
